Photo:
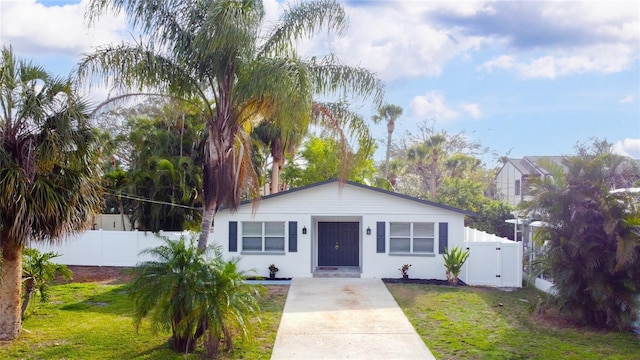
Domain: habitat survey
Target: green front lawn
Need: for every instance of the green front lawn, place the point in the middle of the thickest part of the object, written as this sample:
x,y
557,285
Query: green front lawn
x,y
94,321
481,323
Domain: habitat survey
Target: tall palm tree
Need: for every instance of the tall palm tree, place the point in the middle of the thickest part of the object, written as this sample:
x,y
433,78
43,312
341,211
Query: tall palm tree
x,y
212,54
431,149
49,183
389,113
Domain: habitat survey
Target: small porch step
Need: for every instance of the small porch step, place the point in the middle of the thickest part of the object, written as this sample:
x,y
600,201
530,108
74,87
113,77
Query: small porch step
x,y
337,272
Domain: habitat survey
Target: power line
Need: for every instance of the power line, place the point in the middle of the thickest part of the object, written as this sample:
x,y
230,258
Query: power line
x,y
137,198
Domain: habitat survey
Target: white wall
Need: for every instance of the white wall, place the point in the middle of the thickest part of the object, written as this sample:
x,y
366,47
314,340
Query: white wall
x,y
505,184
104,248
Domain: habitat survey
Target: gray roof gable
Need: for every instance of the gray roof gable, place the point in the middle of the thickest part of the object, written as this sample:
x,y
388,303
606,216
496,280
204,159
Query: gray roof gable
x,y
529,165
370,188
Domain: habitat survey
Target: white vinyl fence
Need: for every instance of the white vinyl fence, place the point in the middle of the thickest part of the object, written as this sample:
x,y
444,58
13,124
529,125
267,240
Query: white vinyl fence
x,y
105,248
493,260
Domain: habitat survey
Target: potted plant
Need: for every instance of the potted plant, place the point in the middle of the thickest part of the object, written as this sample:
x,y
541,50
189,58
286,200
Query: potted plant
x,y
405,270
453,261
273,269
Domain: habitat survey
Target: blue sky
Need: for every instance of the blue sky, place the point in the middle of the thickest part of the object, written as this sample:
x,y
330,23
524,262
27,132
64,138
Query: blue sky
x,y
520,77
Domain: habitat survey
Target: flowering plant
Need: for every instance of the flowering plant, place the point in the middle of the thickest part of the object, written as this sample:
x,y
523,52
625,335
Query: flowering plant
x,y
273,269
405,269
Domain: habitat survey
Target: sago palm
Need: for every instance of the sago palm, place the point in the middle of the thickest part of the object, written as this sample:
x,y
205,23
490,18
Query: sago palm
x,y
49,183
213,54
193,292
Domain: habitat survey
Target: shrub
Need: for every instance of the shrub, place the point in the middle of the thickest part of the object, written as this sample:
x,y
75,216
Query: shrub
x,y
453,261
195,294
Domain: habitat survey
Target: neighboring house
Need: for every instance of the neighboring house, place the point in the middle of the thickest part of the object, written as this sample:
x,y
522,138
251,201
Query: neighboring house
x,y
512,179
335,224
111,222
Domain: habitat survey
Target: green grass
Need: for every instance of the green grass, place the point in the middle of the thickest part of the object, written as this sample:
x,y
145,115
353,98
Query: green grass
x,y
469,323
94,321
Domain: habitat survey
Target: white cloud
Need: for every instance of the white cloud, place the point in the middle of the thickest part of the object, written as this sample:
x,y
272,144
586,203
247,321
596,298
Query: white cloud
x,y
628,147
604,59
432,105
500,62
394,39
38,30
597,59
627,99
472,109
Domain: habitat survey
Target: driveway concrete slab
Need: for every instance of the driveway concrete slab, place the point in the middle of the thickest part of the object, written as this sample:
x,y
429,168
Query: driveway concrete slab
x,y
332,318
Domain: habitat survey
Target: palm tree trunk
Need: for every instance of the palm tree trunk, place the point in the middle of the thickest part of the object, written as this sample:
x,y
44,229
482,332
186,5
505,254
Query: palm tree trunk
x,y
277,154
434,184
28,291
275,178
210,195
207,219
390,127
10,293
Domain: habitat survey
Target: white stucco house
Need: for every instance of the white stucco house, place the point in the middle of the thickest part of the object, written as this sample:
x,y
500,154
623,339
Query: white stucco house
x,y
335,224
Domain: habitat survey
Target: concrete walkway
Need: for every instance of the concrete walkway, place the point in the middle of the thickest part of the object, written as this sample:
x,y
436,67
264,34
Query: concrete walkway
x,y
329,318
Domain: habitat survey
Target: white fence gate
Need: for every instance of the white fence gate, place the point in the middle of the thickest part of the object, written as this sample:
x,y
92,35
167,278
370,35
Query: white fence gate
x,y
493,261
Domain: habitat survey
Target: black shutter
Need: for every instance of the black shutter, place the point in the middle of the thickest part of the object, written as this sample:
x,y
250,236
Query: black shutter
x,y
380,236
443,237
293,236
233,236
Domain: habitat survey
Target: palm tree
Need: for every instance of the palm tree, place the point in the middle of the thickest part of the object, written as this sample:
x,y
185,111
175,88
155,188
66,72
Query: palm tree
x,y
389,113
592,239
211,54
49,183
37,272
279,145
434,146
193,293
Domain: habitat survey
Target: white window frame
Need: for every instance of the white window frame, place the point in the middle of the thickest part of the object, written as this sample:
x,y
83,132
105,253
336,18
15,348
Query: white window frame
x,y
264,237
412,236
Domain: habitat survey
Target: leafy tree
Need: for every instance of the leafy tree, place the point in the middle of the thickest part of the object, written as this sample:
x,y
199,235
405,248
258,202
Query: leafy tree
x,y
467,193
49,182
337,122
389,113
167,170
195,294
323,160
213,55
157,182
37,272
592,238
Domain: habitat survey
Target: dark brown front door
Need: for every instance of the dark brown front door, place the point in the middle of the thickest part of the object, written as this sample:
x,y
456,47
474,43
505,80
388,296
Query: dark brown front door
x,y
338,244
